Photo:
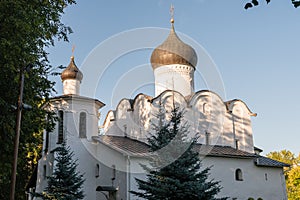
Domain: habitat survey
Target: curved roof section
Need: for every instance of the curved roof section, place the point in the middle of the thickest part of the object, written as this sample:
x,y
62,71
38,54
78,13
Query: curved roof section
x,y
198,94
173,51
228,105
129,146
262,161
132,102
76,97
71,72
165,93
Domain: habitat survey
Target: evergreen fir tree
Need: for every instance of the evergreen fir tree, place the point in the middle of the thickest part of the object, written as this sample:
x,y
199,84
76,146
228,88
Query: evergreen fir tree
x,y
175,171
66,182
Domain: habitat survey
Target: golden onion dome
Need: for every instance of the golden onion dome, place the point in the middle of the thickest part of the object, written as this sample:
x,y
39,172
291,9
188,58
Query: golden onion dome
x,y
173,51
71,72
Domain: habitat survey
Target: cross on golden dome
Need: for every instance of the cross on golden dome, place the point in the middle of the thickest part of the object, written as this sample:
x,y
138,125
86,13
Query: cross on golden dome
x,y
73,49
172,13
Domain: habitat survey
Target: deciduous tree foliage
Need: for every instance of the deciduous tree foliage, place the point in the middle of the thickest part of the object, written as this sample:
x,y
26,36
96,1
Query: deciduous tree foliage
x,y
293,183
175,172
26,29
252,3
285,156
292,174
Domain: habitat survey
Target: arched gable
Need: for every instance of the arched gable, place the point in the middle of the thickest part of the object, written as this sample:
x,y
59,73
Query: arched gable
x,y
242,129
209,115
123,107
232,105
204,93
110,117
142,111
167,98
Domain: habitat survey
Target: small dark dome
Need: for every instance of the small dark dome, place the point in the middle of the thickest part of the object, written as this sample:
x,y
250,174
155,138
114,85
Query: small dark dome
x,y
71,72
173,51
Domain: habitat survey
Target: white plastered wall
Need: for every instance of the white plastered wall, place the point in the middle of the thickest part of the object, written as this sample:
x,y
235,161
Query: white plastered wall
x,y
83,148
264,182
174,77
205,113
71,86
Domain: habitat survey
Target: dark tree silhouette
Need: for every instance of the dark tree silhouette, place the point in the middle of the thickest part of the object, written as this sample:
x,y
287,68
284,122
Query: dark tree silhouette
x,y
66,182
256,3
27,28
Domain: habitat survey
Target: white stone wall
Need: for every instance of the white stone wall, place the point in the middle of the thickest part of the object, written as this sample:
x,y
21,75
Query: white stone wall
x,y
265,182
136,171
47,161
71,86
84,149
208,116
242,129
72,106
174,77
109,159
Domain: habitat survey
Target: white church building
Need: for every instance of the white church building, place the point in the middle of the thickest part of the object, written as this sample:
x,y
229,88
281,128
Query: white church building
x,y
111,160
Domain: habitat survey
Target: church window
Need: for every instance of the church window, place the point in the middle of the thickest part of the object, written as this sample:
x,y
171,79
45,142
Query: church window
x,y
113,172
238,175
82,125
47,132
125,130
207,138
204,110
60,127
266,176
44,171
236,143
47,141
97,171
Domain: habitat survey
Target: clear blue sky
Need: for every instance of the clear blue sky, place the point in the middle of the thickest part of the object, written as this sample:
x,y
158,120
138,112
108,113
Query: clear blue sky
x,y
256,52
